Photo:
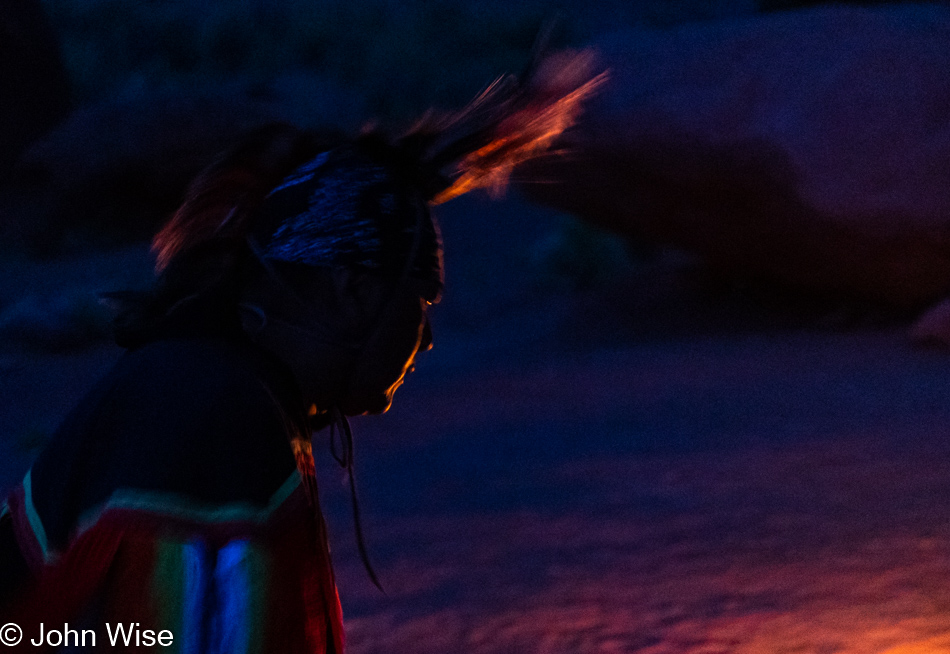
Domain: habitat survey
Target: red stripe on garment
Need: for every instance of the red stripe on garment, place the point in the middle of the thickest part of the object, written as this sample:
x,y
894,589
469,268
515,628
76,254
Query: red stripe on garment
x,y
69,586
129,589
302,591
23,531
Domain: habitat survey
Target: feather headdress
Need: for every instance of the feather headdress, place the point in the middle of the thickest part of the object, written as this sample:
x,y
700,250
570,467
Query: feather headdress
x,y
442,156
514,119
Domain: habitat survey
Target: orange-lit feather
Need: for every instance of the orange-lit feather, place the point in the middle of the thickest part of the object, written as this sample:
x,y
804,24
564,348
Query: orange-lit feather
x,y
511,121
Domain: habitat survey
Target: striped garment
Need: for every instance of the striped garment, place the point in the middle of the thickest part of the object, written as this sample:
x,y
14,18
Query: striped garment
x,y
223,579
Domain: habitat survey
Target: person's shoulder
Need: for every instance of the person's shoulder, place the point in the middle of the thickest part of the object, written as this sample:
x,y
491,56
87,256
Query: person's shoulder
x,y
186,359
193,418
188,384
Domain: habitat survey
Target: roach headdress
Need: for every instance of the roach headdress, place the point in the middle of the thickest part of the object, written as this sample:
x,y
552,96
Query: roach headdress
x,y
352,204
366,204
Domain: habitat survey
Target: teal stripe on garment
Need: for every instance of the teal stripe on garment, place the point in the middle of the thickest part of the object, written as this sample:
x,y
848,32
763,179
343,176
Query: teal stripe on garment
x,y
179,506
168,585
36,524
259,572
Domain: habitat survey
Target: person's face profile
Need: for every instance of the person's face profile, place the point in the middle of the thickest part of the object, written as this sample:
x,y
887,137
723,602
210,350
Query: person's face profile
x,y
351,345
401,332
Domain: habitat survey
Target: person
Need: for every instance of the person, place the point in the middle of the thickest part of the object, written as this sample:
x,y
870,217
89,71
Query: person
x,y
179,499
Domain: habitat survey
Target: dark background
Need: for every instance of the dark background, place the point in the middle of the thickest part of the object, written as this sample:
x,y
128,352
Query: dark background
x,y
613,447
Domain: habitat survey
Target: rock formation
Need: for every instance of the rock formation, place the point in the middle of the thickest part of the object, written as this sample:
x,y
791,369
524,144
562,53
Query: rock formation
x,y
812,147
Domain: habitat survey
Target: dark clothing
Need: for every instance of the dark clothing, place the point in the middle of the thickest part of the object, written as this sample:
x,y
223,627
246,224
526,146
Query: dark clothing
x,y
170,497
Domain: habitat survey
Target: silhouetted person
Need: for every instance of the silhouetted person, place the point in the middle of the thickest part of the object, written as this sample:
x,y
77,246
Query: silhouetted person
x,y
292,292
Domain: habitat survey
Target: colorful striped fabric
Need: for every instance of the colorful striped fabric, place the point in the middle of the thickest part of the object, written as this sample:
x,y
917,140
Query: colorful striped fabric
x,y
226,579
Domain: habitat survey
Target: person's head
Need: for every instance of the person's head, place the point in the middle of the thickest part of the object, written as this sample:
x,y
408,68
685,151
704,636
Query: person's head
x,y
330,250
349,259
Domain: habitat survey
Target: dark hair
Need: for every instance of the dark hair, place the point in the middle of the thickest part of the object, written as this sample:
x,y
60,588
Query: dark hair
x,y
203,260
